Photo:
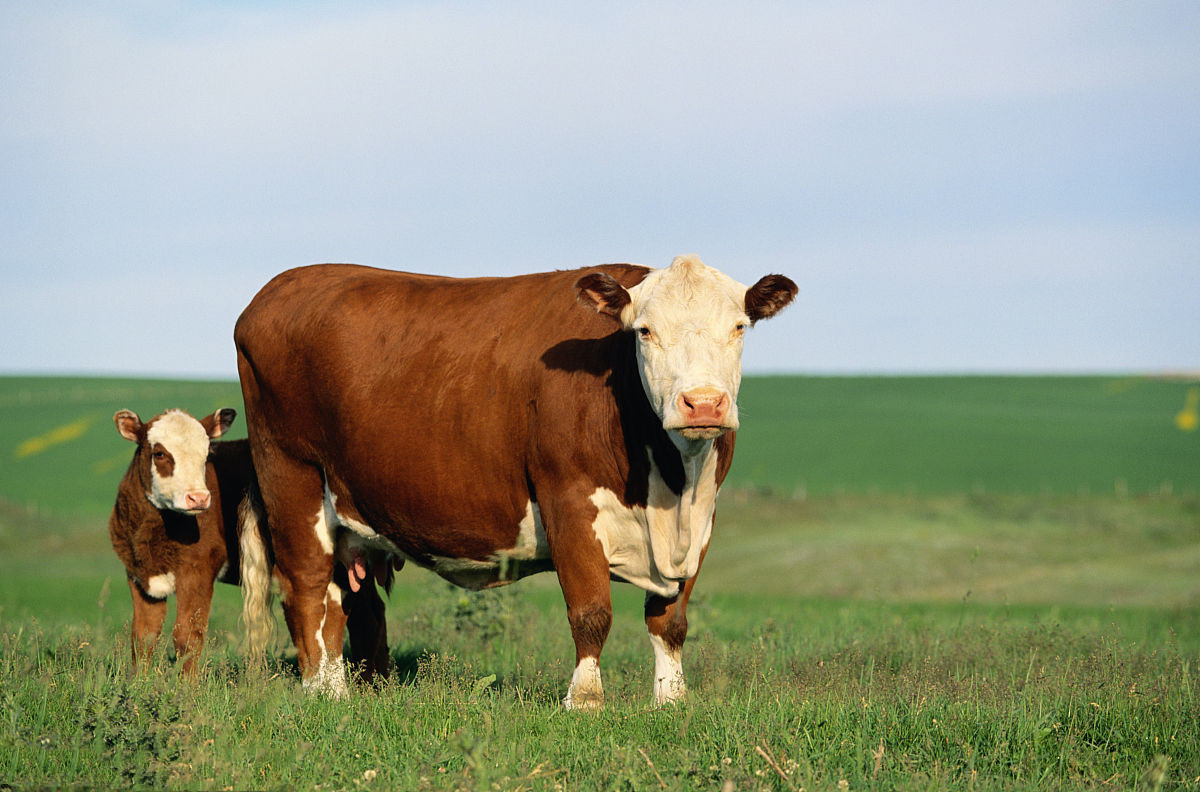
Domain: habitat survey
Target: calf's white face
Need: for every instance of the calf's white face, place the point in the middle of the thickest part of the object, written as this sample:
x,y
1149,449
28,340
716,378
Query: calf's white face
x,y
689,321
173,453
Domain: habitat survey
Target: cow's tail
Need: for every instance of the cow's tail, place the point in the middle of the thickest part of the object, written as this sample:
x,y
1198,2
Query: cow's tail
x,y
256,569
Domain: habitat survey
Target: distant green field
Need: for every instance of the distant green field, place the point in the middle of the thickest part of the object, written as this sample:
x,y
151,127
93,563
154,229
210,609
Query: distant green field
x,y
800,435
939,435
59,450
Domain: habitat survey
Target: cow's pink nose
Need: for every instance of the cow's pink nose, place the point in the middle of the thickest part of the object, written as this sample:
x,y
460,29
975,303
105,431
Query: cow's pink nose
x,y
703,407
197,501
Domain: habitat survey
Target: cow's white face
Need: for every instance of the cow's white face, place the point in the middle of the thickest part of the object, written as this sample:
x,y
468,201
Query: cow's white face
x,y
174,454
689,321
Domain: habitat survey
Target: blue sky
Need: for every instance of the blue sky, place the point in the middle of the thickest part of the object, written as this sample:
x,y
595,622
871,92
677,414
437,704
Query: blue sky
x,y
955,187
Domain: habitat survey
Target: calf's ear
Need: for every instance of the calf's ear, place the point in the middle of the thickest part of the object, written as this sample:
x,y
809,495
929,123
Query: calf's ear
x,y
603,294
219,422
769,296
128,424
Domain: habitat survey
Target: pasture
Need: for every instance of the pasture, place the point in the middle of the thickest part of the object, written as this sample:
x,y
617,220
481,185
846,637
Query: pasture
x,y
914,583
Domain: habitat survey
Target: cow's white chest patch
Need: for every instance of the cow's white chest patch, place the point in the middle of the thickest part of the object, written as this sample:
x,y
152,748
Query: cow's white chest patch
x,y
658,547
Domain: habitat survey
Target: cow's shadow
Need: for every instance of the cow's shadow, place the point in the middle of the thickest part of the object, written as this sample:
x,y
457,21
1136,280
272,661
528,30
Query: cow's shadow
x,y
613,359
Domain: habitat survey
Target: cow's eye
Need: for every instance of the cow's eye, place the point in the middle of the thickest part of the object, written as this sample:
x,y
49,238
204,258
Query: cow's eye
x,y
160,455
644,332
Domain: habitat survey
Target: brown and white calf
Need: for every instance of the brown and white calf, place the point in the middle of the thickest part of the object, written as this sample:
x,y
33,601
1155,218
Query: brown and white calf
x,y
490,428
174,524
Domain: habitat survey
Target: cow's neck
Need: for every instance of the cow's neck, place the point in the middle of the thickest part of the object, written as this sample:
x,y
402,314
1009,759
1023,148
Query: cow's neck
x,y
686,514
698,499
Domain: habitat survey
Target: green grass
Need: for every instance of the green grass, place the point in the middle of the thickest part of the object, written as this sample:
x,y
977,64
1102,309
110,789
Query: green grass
x,y
808,694
815,659
987,614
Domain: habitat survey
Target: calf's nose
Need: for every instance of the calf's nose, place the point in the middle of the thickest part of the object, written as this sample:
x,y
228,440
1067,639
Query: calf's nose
x,y
704,406
197,500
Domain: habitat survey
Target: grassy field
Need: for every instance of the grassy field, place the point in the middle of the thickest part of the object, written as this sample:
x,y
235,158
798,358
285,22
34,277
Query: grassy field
x,y
923,618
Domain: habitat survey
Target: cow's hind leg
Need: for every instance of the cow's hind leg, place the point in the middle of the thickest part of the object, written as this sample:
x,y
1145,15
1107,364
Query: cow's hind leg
x,y
293,495
148,617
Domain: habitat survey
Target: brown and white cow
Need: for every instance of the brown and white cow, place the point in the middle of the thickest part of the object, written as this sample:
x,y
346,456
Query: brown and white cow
x,y
174,524
490,428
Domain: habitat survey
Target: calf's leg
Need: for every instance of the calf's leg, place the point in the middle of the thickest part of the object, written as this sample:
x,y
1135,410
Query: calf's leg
x,y
193,601
148,617
368,632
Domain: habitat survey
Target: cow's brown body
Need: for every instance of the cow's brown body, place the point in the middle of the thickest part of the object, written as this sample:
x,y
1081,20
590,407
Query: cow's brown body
x,y
194,550
439,419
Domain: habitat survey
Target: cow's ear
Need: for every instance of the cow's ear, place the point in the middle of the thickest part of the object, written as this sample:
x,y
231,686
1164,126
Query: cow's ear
x,y
769,296
603,294
128,424
219,422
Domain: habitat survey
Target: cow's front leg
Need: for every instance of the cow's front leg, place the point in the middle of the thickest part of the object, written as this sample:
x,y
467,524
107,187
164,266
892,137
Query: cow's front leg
x,y
589,611
666,621
583,574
